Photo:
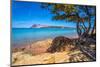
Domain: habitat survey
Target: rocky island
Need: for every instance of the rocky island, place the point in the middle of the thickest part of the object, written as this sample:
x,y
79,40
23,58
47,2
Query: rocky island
x,y
47,26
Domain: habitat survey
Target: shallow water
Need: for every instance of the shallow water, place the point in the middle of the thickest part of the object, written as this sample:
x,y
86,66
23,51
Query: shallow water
x,y
24,36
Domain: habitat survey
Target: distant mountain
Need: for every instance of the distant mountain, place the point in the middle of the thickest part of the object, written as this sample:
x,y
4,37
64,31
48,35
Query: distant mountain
x,y
46,26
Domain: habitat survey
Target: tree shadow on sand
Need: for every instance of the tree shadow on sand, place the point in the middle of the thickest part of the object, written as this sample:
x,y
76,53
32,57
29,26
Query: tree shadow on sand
x,y
59,44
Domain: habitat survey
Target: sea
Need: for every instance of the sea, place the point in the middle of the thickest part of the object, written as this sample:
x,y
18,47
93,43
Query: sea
x,y
25,36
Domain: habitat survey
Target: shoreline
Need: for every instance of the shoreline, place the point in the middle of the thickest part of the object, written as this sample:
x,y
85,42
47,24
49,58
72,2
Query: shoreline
x,y
32,42
21,47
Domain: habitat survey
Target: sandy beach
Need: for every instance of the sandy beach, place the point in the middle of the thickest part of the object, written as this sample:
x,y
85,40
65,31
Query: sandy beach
x,y
36,53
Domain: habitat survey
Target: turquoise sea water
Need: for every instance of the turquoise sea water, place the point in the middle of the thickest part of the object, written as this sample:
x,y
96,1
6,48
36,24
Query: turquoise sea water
x,y
24,36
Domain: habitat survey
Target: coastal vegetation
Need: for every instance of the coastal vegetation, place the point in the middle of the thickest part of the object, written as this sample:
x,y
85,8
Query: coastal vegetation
x,y
85,18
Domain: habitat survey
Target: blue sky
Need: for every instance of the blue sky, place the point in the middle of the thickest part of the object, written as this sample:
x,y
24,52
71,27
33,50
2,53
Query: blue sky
x,y
25,14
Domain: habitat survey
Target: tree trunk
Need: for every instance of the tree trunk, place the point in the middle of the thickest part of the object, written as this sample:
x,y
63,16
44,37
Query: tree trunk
x,y
86,29
94,28
89,52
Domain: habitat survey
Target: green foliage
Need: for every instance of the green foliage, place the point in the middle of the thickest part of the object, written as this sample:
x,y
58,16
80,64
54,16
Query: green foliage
x,y
73,13
61,12
70,12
